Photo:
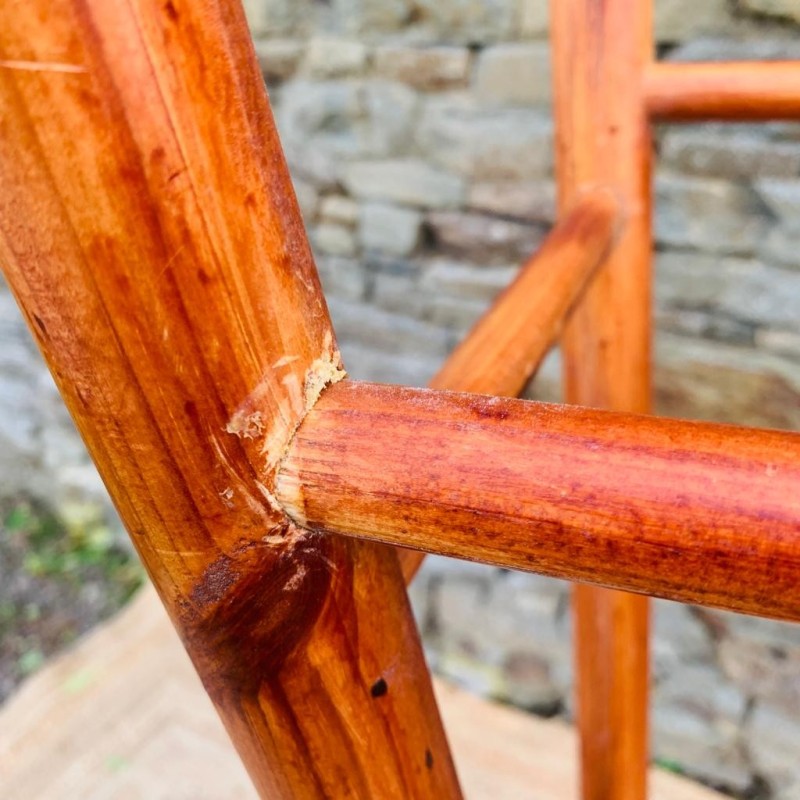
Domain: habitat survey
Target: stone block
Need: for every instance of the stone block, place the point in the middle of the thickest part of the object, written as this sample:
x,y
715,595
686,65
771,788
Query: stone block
x,y
706,324
339,209
333,239
334,58
366,363
514,74
307,199
325,124
679,638
318,128
678,20
387,117
724,383
772,736
464,281
425,68
743,289
483,238
408,181
728,151
737,48
398,293
782,197
785,342
767,671
386,333
276,18
710,215
534,18
456,314
781,246
368,17
342,277
780,9
534,201
459,134
278,58
474,23
389,229
697,717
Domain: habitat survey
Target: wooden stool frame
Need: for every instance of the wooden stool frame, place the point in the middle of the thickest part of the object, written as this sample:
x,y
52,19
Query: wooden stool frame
x,y
150,234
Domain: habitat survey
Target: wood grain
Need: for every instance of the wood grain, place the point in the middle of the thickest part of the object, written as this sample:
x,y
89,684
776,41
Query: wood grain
x,y
150,233
502,352
601,49
733,91
695,512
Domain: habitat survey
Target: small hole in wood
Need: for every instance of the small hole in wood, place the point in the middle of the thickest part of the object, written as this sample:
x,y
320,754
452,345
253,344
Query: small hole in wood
x,y
379,688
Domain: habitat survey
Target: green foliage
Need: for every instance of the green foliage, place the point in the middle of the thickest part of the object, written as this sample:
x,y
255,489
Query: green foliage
x,y
69,548
669,765
58,577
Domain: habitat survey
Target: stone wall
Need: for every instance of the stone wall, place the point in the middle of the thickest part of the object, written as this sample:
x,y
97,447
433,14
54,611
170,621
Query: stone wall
x,y
420,139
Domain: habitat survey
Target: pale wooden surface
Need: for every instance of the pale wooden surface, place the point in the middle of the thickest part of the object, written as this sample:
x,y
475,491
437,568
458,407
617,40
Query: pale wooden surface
x,y
123,716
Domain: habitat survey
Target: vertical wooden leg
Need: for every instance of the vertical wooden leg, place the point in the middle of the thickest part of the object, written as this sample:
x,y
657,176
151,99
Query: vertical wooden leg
x,y
149,231
600,51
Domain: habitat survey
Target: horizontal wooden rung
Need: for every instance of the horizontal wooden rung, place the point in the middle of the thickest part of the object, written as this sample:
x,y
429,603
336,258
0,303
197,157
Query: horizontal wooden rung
x,y
695,512
692,91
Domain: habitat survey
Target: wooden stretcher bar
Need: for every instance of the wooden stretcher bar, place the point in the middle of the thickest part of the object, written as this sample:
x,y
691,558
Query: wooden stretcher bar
x,y
692,511
732,91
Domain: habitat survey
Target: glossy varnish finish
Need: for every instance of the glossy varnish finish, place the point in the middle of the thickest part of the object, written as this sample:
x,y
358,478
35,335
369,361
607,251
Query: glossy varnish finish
x,y
692,511
150,233
601,49
686,92
504,349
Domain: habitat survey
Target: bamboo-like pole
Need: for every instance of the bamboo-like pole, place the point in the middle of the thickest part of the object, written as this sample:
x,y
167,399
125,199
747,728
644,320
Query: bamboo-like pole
x,y
601,49
696,512
686,92
505,347
149,231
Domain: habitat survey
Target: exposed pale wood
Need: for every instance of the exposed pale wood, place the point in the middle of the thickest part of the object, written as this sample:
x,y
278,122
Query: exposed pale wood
x,y
600,51
746,91
123,716
150,233
505,347
691,511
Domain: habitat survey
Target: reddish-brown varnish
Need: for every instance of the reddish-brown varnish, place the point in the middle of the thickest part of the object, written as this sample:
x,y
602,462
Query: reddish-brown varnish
x,y
695,512
600,51
737,91
505,347
150,232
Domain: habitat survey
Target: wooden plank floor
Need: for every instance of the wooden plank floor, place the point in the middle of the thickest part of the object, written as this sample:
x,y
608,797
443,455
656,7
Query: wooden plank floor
x,y
123,716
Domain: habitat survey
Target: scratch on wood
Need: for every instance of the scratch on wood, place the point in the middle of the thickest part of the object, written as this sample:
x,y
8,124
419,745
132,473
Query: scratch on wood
x,y
42,66
284,361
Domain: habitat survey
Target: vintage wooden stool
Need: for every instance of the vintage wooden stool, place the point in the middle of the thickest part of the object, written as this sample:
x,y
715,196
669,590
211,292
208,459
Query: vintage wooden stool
x,y
151,236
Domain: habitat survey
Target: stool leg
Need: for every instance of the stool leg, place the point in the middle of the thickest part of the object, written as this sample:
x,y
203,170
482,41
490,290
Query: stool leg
x,y
149,231
600,51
